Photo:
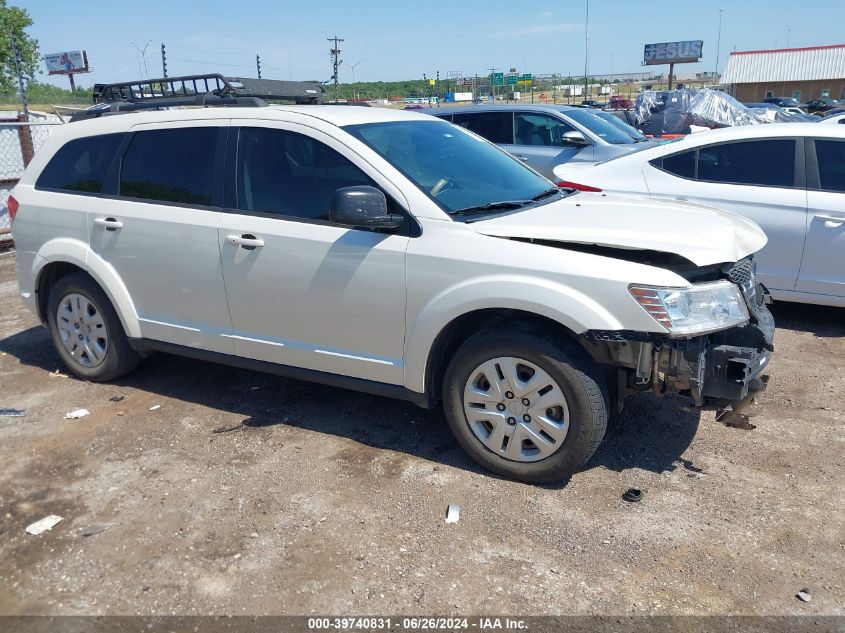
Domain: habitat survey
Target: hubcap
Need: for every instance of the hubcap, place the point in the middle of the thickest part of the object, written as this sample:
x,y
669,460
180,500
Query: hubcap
x,y
516,409
82,330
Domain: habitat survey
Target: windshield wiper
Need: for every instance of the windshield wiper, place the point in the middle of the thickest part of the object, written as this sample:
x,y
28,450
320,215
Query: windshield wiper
x,y
506,204
546,194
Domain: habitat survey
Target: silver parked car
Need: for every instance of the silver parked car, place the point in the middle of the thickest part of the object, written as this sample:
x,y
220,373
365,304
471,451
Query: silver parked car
x,y
545,136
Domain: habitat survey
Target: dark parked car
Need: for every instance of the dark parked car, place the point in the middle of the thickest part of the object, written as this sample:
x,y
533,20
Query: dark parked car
x,y
784,102
823,105
591,103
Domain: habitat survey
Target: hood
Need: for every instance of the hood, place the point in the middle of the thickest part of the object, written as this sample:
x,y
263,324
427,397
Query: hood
x,y
702,235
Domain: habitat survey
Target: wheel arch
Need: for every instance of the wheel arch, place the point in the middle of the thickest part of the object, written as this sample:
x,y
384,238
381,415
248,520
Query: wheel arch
x,y
60,258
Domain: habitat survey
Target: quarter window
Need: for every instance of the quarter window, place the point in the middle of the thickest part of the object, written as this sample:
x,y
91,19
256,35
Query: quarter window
x,y
174,165
682,164
540,129
80,165
830,156
291,174
768,163
496,127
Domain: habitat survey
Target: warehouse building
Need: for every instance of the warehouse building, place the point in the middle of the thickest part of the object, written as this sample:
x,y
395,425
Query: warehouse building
x,y
801,73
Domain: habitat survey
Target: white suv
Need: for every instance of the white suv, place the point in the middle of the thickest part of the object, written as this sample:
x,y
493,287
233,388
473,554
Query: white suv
x,y
388,252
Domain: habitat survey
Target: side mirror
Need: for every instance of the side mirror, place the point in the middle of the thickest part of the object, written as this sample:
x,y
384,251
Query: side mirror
x,y
362,206
574,138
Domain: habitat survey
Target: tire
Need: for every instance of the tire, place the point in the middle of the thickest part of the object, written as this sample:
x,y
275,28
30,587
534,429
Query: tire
x,y
576,425
95,324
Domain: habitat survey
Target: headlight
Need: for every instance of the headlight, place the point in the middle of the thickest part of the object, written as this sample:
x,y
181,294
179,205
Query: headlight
x,y
700,309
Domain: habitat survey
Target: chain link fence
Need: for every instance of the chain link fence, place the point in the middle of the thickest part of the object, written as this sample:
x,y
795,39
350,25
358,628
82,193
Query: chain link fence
x,y
19,141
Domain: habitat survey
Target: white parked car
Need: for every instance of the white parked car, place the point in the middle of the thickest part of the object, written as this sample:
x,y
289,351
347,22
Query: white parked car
x,y
387,252
789,178
834,118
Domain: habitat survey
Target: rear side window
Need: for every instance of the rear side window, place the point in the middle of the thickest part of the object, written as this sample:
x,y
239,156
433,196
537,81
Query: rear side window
x,y
767,163
830,156
80,165
496,127
682,164
174,165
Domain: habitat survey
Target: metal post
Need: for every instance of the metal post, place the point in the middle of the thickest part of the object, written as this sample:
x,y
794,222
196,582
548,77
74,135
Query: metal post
x,y
163,60
334,52
718,44
671,72
258,65
586,48
72,82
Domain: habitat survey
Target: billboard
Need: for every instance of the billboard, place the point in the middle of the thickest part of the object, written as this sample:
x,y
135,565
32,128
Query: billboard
x,y
66,62
672,52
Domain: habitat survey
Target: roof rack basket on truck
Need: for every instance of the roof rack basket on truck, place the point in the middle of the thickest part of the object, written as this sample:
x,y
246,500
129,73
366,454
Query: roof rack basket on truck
x,y
197,90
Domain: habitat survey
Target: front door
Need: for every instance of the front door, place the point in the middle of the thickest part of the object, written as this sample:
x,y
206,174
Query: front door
x,y
823,267
303,291
158,229
538,142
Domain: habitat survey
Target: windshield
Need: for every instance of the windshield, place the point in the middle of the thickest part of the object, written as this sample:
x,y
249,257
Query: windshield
x,y
461,172
598,126
615,121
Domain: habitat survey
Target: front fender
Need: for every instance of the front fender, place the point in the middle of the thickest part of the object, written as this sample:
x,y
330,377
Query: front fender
x,y
79,254
563,304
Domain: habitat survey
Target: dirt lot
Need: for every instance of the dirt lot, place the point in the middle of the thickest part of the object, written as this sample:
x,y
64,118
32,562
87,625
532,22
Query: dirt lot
x,y
328,501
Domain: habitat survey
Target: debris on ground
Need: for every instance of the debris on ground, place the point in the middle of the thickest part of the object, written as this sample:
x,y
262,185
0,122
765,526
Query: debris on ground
x,y
75,415
91,530
117,398
57,374
43,525
633,495
226,429
453,513
155,407
12,413
804,595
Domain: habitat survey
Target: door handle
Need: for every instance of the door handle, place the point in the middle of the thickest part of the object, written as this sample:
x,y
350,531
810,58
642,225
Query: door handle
x,y
247,241
110,224
830,221
522,158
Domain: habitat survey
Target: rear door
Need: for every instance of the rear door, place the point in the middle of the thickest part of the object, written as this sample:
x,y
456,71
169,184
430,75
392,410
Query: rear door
x,y
762,180
823,267
157,226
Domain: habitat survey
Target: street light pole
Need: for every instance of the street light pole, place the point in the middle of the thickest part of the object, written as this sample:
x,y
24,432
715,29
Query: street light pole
x,y
143,54
586,39
718,43
353,67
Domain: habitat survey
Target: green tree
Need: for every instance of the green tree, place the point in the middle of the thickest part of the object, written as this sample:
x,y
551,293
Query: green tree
x,y
13,24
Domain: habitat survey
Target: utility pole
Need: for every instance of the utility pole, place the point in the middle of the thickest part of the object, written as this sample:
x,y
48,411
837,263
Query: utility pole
x,y
334,53
718,44
163,61
492,70
17,56
586,48
258,65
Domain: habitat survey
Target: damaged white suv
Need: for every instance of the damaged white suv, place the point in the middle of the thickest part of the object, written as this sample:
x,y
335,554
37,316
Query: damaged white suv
x,y
392,253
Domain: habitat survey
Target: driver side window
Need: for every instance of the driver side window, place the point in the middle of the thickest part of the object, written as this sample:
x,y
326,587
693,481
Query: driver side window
x,y
540,130
290,174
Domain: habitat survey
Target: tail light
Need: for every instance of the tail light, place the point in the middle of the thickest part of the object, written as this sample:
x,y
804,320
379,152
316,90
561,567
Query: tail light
x,y
565,184
12,205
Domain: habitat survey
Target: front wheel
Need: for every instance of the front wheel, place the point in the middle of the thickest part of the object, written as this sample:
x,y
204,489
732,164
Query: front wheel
x,y
86,330
525,406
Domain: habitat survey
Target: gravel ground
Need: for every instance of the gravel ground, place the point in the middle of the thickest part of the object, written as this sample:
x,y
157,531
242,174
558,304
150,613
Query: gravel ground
x,y
321,500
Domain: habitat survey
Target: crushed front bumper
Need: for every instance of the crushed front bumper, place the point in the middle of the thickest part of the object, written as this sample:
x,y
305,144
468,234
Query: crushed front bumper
x,y
722,371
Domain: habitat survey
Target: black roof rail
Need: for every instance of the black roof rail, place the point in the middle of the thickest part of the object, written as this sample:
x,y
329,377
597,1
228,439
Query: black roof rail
x,y
197,90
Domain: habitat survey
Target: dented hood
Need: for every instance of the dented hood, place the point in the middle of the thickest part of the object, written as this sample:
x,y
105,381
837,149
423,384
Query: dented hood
x,y
703,235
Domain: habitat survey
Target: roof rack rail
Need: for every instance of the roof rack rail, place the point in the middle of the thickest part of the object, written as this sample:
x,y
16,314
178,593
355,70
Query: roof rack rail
x,y
197,90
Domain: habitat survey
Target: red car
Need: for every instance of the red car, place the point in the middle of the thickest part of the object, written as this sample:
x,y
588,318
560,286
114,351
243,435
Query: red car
x,y
620,103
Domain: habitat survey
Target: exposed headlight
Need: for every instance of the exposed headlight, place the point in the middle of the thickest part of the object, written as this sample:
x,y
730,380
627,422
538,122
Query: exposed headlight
x,y
700,309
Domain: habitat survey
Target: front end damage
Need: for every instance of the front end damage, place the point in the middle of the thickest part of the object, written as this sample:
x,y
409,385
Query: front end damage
x,y
721,371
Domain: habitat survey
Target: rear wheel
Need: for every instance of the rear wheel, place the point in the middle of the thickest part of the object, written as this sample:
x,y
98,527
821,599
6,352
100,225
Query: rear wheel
x,y
525,406
86,330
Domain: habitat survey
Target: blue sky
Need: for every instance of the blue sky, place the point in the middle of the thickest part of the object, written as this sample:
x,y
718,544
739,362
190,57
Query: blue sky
x,y
401,39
